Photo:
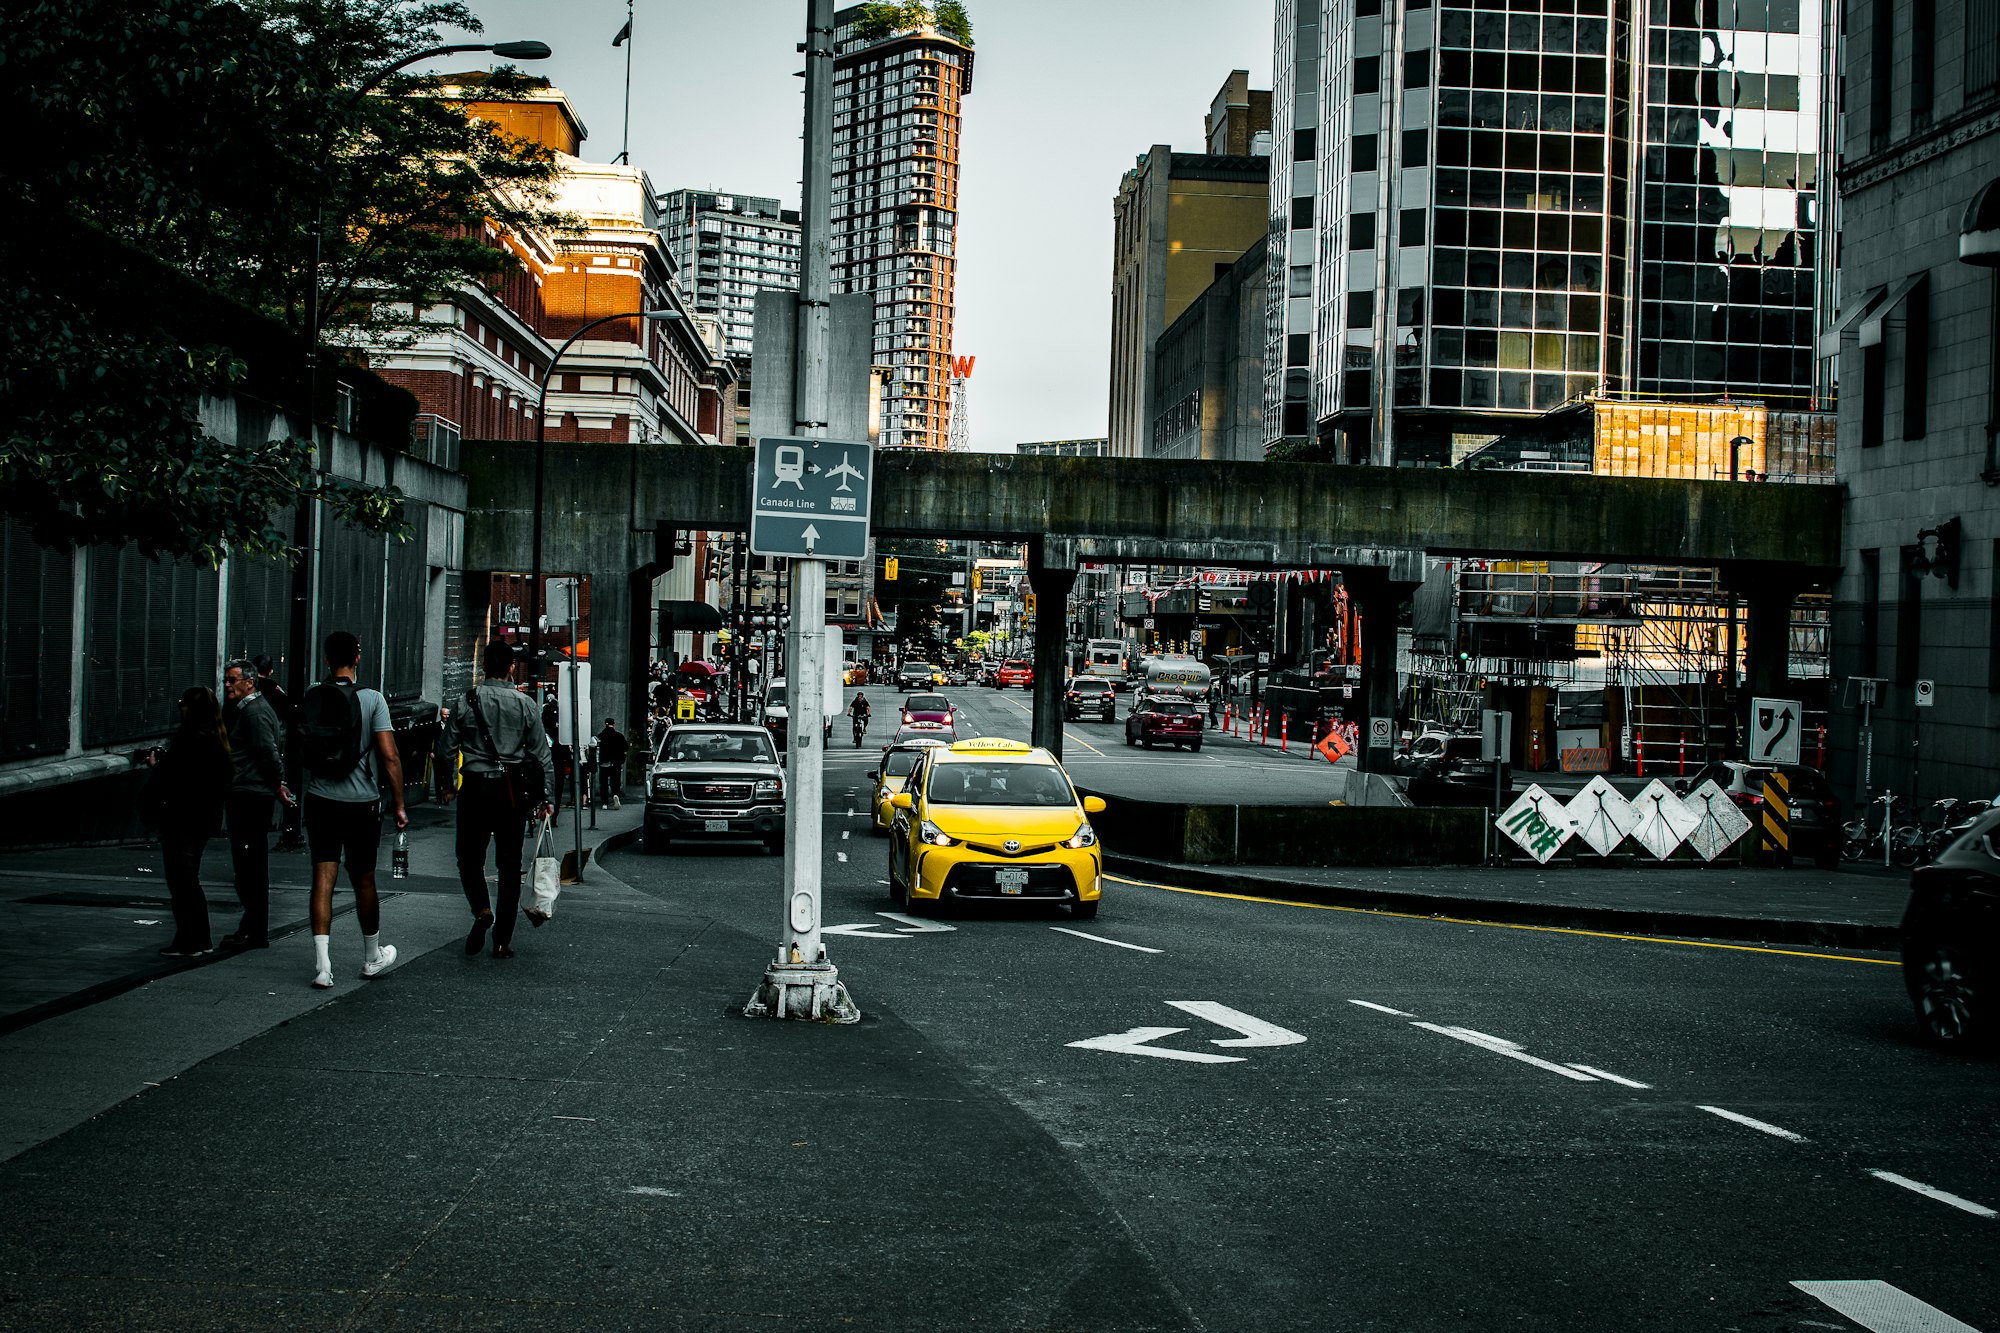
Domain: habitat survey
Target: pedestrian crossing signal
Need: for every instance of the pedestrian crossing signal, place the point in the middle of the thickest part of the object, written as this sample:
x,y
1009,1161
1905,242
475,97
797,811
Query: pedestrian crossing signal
x,y
889,570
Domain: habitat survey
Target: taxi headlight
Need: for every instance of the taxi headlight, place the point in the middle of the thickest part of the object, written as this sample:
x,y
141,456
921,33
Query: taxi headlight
x,y
664,786
884,795
1085,836
935,836
770,789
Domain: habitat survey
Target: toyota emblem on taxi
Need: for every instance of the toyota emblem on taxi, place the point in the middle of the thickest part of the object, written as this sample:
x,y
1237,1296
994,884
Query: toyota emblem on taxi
x,y
1012,844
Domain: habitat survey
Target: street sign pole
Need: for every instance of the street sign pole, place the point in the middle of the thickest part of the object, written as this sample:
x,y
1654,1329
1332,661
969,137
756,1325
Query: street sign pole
x,y
801,981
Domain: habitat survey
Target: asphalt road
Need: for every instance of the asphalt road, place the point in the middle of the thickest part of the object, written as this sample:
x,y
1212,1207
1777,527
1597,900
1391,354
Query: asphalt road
x,y
1095,753
1422,1124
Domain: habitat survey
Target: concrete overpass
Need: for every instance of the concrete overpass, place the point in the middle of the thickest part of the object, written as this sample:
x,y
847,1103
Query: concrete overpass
x,y
1374,524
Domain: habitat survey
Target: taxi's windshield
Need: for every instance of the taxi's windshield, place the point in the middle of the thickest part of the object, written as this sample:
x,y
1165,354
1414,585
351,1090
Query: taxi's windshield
x,y
999,784
899,763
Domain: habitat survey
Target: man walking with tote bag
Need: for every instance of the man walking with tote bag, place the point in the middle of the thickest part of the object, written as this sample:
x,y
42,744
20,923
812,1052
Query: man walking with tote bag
x,y
507,774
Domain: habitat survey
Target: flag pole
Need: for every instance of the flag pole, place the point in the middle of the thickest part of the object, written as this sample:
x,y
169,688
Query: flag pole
x,y
625,40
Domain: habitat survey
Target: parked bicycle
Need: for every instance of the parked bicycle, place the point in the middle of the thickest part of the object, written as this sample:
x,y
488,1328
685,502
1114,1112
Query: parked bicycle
x,y
1865,837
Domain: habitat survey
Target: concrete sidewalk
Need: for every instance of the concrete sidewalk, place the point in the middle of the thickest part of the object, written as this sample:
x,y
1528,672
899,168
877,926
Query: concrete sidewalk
x,y
589,1135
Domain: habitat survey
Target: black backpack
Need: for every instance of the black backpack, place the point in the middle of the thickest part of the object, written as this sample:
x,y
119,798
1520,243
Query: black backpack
x,y
326,738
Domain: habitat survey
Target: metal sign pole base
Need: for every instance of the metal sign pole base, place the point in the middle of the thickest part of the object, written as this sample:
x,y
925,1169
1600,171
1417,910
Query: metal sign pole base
x,y
810,991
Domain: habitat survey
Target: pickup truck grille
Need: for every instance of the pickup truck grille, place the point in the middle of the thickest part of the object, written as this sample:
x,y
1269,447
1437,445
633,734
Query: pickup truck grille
x,y
715,793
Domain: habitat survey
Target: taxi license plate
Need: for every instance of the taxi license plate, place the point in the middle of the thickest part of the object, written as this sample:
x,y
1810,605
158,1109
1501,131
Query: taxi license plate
x,y
715,825
1011,881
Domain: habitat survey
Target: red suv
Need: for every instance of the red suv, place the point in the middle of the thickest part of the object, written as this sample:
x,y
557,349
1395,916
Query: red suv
x,y
1175,721
1015,672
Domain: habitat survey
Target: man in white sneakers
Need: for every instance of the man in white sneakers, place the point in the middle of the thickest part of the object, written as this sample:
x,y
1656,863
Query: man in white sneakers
x,y
346,744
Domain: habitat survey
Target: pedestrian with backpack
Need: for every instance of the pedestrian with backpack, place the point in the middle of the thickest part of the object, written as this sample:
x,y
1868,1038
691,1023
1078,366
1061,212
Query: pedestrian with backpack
x,y
346,744
496,744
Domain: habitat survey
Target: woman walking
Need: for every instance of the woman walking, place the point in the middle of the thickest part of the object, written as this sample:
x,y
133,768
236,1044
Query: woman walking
x,y
185,796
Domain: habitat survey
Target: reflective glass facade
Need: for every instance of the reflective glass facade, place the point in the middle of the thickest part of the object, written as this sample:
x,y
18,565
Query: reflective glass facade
x,y
1589,195
1728,229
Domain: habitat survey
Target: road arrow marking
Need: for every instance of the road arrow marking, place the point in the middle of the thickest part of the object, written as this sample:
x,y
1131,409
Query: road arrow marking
x,y
1256,1032
1135,1043
869,930
1882,1308
809,536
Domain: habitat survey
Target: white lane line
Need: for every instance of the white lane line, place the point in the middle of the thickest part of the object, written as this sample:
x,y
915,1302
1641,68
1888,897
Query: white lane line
x,y
1610,1078
1102,940
1381,1008
1500,1046
1754,1124
1932,1192
1877,1306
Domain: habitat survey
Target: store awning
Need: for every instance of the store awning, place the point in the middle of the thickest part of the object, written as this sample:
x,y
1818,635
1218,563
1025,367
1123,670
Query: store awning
x,y
680,617
1844,322
1871,327
1979,234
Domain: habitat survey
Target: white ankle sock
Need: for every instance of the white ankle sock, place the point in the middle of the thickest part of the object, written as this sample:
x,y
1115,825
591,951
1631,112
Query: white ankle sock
x,y
320,943
372,946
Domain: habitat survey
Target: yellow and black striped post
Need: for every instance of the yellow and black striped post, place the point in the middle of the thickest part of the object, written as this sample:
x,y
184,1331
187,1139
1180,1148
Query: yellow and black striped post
x,y
1775,824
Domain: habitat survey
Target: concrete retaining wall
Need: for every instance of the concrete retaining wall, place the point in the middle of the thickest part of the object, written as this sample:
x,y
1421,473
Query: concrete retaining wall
x,y
1294,835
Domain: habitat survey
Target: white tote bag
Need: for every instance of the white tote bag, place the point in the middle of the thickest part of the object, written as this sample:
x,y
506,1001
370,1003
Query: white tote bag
x,y
545,882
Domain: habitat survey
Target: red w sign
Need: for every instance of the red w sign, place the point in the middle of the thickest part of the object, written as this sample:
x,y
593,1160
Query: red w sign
x,y
961,366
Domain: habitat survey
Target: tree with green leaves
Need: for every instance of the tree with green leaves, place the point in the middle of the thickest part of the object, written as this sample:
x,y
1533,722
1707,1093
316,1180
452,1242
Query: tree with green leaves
x,y
220,138
884,18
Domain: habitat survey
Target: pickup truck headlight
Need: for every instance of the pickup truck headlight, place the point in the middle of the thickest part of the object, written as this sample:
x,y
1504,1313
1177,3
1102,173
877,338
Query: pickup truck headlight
x,y
1085,836
665,786
770,789
934,835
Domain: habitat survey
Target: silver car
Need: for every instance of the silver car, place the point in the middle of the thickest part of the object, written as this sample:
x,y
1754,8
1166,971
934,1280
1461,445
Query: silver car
x,y
715,780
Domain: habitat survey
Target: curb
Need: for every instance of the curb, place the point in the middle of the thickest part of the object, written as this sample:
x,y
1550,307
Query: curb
x,y
1636,921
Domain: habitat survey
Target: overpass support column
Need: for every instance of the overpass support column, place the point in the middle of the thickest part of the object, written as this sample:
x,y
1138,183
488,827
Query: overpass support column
x,y
1768,593
1051,574
1380,600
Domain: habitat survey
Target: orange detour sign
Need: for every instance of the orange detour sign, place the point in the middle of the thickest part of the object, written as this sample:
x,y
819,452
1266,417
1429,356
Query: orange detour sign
x,y
1332,746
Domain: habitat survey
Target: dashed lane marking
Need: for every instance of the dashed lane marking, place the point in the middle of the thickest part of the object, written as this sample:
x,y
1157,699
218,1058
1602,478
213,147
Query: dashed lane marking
x,y
1381,1008
1102,940
1503,925
1610,1078
1501,1046
1765,1126
1932,1192
1881,1308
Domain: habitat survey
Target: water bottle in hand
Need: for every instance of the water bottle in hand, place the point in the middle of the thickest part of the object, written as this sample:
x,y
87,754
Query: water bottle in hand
x,y
399,865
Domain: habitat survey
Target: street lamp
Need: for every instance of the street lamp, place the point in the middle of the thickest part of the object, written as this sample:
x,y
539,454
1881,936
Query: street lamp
x,y
541,453
1736,446
303,572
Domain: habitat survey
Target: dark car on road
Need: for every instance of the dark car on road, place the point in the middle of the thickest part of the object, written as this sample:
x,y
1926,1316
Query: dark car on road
x,y
1155,719
1950,932
1815,811
715,780
928,708
1090,696
915,676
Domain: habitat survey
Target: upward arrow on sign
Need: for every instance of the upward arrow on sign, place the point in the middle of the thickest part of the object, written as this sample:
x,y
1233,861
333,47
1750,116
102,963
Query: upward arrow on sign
x,y
811,536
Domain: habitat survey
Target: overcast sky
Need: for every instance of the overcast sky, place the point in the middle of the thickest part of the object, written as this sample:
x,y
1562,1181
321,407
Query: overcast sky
x,y
1065,94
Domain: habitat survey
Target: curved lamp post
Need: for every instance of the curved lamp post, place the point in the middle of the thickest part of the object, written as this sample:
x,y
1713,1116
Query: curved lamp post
x,y
541,453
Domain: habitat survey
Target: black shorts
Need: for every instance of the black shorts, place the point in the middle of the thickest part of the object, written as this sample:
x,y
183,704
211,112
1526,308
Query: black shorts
x,y
349,831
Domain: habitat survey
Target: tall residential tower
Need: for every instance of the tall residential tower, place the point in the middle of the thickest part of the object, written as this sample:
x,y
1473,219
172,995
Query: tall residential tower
x,y
896,99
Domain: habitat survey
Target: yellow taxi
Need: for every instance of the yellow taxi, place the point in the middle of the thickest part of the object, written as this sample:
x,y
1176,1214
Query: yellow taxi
x,y
993,820
898,761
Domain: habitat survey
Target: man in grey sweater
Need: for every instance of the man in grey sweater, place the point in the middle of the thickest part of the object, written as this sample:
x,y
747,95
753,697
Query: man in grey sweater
x,y
493,726
258,785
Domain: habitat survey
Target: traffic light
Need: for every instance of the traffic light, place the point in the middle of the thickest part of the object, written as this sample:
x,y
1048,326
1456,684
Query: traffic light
x,y
1029,603
975,580
889,570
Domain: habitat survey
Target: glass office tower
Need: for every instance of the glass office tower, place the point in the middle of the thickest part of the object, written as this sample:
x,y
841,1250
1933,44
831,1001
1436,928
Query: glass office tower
x,y
1587,195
